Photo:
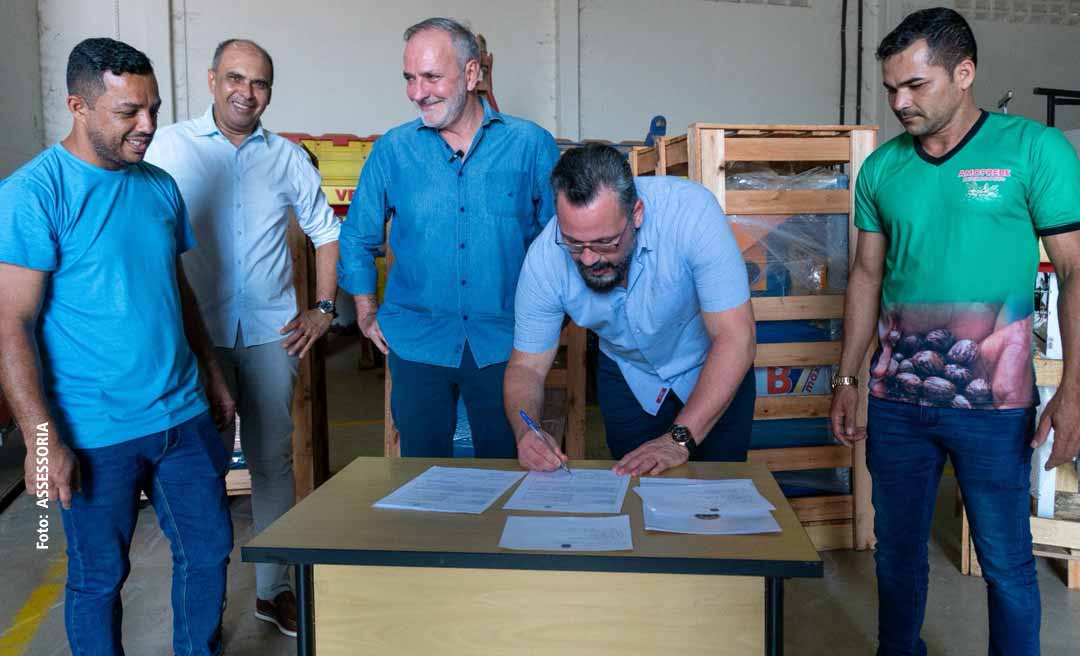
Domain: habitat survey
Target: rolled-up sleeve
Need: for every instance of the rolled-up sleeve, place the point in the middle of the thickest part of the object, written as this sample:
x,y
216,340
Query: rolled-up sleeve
x,y
314,214
364,230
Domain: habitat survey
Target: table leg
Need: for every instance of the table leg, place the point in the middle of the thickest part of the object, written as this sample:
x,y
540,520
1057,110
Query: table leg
x,y
305,612
774,616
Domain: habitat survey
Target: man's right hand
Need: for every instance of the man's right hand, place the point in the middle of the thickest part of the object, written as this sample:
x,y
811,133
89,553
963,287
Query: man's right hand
x,y
367,307
62,469
534,455
845,403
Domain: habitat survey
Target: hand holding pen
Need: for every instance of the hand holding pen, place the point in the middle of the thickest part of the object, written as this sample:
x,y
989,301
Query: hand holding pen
x,y
530,457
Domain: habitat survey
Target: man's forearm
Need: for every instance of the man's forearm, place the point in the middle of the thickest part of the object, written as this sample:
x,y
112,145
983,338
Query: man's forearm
x,y
861,307
195,331
725,367
523,389
1069,320
20,378
326,257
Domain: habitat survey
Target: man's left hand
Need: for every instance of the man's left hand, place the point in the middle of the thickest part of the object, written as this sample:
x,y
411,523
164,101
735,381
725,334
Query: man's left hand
x,y
652,458
222,406
1062,414
304,330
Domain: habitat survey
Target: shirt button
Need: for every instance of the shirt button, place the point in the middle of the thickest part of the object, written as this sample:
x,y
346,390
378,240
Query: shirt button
x,y
459,174
461,209
462,283
465,317
461,245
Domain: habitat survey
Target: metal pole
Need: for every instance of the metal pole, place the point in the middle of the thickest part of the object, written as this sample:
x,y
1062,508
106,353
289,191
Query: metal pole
x,y
305,615
774,616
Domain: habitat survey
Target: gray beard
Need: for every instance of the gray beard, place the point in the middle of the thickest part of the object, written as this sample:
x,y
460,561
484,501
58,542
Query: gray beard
x,y
608,281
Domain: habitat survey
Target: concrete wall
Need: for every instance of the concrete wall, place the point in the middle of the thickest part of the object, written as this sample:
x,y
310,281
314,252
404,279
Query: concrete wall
x,y
581,68
20,77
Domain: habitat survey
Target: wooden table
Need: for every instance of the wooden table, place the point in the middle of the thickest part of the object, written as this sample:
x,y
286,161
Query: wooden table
x,y
400,582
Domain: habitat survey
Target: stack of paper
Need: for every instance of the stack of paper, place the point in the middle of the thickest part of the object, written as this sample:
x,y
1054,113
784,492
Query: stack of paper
x,y
586,491
451,490
717,507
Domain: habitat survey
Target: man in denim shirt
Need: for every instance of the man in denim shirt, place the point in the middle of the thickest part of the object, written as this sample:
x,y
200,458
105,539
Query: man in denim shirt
x,y
467,188
651,266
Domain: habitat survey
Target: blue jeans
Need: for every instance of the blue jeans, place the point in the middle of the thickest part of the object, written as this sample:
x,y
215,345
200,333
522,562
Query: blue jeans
x,y
182,471
628,426
423,403
990,451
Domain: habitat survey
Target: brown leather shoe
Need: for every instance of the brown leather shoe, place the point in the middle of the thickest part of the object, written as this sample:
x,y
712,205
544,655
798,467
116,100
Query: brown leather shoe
x,y
281,612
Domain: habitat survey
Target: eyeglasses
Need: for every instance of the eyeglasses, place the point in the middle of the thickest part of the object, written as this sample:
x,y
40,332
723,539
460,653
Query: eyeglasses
x,y
604,246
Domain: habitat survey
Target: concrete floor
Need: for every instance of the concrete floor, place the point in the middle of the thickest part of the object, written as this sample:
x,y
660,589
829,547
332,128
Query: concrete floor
x,y
834,616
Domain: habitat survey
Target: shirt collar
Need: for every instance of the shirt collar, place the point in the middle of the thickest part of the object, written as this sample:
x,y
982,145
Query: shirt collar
x,y
206,127
489,116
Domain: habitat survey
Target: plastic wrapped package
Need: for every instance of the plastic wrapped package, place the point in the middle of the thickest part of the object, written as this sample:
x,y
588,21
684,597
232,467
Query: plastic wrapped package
x,y
794,255
463,442
791,255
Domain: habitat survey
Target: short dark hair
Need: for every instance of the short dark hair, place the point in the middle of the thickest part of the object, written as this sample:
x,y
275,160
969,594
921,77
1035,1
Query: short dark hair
x,y
92,57
582,172
465,43
947,34
224,45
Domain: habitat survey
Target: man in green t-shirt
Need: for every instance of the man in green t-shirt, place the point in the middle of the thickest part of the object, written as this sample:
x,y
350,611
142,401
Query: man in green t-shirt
x,y
949,215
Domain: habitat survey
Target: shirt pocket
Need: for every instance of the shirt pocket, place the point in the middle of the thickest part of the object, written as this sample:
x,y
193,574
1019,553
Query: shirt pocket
x,y
673,302
507,194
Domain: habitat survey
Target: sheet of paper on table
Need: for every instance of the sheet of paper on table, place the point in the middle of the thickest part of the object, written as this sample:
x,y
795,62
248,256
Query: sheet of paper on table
x,y
706,507
451,490
730,497
709,524
567,533
587,491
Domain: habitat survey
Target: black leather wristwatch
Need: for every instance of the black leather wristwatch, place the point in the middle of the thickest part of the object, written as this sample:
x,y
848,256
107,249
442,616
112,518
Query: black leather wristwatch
x,y
682,436
326,306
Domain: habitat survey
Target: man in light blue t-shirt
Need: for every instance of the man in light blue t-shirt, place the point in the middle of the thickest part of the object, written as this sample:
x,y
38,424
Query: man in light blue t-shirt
x,y
651,266
95,357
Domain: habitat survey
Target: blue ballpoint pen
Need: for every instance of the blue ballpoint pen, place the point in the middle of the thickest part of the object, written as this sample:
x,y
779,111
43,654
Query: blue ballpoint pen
x,y
529,422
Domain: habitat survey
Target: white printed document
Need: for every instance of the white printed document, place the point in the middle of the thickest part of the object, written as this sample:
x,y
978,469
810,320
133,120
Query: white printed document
x,y
567,533
451,490
709,523
706,507
730,498
586,491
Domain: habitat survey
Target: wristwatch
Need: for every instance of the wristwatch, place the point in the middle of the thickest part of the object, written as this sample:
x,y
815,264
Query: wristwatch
x,y
682,436
838,380
326,306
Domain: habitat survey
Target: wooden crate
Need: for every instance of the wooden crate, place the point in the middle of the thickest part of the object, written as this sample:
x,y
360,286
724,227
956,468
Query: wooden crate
x,y
703,154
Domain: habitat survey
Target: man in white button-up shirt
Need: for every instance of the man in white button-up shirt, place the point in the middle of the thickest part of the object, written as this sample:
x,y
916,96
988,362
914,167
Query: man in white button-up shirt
x,y
240,183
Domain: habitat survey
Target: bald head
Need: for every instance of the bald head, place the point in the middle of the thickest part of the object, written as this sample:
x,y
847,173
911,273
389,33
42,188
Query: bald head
x,y
245,44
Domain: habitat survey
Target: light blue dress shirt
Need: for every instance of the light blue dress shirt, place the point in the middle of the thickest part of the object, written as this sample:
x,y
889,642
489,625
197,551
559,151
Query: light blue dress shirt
x,y
461,226
240,200
685,262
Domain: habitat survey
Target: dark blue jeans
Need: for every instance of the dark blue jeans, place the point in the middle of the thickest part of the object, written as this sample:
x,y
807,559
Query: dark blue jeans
x,y
628,426
990,451
423,403
182,471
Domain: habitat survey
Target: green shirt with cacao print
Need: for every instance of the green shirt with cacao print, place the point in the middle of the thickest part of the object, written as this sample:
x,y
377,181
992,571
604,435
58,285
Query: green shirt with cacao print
x,y
962,231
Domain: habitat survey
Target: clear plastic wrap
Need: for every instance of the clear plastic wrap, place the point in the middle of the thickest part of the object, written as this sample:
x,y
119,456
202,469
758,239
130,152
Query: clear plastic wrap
x,y
791,255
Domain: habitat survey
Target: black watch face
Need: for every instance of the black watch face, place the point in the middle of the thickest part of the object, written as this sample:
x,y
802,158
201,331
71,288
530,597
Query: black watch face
x,y
681,435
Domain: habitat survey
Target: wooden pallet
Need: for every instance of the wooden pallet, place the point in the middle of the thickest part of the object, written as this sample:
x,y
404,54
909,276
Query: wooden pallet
x,y
703,154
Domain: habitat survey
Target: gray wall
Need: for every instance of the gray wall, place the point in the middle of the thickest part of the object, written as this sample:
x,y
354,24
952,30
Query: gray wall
x,y
20,76
580,68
